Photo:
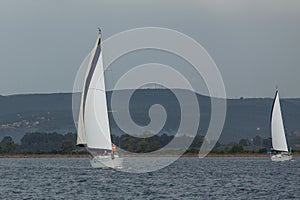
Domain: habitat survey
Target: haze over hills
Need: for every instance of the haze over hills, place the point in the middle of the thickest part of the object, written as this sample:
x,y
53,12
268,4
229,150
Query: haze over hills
x,y
245,118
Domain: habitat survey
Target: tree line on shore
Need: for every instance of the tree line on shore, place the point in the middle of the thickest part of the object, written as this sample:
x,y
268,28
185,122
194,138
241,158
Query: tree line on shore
x,y
55,143
38,143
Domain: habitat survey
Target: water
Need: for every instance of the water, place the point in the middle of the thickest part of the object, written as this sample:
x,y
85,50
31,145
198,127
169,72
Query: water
x,y
187,178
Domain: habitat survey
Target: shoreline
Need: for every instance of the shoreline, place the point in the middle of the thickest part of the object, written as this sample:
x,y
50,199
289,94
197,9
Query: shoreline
x,y
211,155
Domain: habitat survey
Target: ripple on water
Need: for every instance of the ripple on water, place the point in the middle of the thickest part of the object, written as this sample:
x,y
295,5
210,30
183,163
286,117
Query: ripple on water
x,y
187,178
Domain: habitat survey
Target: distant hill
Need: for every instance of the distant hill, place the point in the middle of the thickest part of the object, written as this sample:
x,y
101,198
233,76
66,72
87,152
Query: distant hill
x,y
35,112
246,118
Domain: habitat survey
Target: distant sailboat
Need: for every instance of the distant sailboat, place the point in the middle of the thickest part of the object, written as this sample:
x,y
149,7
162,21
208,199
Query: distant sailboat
x,y
280,150
93,124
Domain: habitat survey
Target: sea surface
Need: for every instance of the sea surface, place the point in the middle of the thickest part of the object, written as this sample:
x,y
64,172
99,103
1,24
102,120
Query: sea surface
x,y
187,178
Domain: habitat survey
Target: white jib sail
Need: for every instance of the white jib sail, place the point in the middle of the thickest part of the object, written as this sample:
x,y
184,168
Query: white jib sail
x,y
96,122
277,128
81,138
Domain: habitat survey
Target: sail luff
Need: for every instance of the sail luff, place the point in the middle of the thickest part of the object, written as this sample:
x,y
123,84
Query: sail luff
x,y
277,128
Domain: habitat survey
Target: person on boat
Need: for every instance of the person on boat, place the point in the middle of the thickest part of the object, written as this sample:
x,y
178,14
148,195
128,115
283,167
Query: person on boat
x,y
113,148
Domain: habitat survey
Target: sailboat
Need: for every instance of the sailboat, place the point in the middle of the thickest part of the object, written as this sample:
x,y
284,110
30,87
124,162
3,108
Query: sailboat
x,y
93,124
279,148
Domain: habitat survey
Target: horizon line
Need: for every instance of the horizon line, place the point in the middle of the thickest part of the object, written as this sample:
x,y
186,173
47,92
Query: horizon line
x,y
70,92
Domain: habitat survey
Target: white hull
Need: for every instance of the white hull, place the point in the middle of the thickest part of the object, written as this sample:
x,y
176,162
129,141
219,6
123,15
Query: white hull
x,y
106,162
280,157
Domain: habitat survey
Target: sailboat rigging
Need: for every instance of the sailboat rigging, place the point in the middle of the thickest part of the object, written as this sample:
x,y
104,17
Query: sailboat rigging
x,y
93,124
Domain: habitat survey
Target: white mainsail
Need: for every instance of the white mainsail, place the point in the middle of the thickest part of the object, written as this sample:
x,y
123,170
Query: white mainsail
x,y
93,124
277,128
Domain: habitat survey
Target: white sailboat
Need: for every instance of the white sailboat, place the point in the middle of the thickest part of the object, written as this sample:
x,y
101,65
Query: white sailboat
x,y
279,149
93,124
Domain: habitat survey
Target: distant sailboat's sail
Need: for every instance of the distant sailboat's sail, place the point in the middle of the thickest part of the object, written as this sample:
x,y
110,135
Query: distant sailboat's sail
x,y
277,128
93,124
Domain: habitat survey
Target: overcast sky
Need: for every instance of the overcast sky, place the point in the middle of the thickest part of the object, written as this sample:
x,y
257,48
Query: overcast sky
x,y
255,44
